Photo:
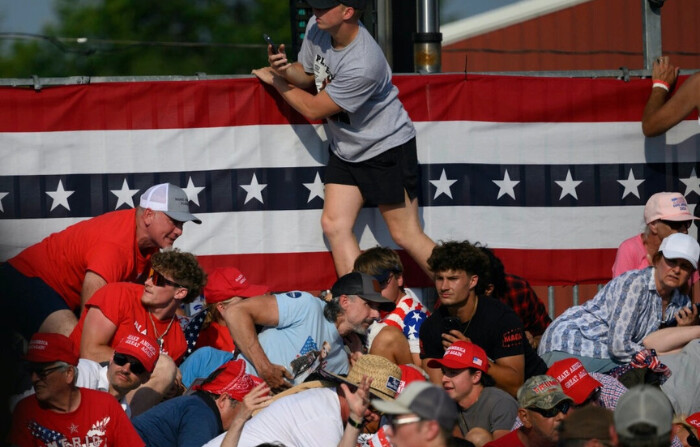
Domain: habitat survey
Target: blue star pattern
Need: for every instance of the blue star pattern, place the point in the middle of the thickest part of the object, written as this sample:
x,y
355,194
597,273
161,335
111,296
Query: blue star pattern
x,y
192,329
502,185
44,434
309,345
412,323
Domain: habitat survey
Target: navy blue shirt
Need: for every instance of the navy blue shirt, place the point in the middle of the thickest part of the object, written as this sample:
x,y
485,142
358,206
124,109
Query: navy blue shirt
x,y
184,421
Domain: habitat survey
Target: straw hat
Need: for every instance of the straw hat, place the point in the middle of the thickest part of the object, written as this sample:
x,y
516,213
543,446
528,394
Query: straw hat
x,y
386,376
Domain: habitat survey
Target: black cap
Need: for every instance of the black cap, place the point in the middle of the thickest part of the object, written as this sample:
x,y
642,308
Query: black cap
x,y
364,286
327,4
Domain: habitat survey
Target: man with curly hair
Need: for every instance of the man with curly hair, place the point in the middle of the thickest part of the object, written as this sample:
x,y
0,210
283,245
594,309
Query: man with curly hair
x,y
461,272
120,308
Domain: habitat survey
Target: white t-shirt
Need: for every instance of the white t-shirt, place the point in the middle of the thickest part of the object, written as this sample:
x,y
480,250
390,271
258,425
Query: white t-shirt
x,y
310,418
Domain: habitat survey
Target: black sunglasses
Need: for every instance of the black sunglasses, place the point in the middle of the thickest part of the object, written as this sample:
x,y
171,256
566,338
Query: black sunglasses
x,y
43,373
692,440
161,281
135,366
678,225
561,408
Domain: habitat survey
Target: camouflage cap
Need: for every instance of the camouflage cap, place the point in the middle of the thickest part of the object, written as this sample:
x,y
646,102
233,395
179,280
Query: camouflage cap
x,y
541,392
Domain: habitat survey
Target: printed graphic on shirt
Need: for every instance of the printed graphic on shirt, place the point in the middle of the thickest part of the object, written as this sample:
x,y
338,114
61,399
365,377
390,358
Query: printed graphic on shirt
x,y
513,337
95,437
322,73
323,77
309,360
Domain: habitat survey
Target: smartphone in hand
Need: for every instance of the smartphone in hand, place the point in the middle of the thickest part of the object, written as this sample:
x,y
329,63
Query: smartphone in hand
x,y
450,323
272,44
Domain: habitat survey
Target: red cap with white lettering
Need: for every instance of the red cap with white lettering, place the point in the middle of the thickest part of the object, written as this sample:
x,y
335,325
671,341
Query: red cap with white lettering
x,y
574,379
462,355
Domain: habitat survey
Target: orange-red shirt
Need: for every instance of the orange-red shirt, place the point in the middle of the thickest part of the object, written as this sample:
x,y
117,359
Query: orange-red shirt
x,y
121,304
217,336
105,245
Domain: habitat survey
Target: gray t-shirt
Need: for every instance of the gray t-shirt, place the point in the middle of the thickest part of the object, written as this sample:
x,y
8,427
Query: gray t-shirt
x,y
683,387
358,79
495,410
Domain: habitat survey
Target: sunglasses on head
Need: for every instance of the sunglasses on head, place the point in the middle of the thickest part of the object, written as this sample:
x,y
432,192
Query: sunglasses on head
x,y
678,225
561,408
135,366
161,281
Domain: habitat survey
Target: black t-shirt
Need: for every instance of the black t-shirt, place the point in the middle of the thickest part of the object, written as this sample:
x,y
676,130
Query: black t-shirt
x,y
495,327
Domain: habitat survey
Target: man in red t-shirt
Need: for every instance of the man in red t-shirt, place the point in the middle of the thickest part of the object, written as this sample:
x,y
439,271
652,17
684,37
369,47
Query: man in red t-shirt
x,y
60,413
47,284
543,406
118,309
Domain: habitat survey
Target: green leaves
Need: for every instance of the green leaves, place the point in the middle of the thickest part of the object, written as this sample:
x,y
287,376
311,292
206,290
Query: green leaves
x,y
149,38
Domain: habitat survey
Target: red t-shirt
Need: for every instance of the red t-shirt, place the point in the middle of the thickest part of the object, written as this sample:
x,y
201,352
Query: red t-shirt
x,y
121,304
217,336
509,440
105,245
98,420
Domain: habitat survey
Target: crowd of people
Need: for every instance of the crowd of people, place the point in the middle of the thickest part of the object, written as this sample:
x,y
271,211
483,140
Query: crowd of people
x,y
108,355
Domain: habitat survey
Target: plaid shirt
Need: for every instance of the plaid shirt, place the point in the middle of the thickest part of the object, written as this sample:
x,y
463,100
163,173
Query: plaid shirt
x,y
524,301
611,390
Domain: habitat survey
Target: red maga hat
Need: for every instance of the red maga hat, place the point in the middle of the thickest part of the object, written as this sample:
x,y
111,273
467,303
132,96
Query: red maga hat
x,y
142,347
461,355
574,379
47,348
227,282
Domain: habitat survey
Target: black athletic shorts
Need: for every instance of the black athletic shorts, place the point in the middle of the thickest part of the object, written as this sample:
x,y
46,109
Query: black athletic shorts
x,y
381,179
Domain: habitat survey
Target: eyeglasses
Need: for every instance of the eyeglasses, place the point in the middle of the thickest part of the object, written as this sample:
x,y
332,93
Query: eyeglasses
x,y
44,373
561,408
135,366
678,225
692,440
394,421
161,281
682,263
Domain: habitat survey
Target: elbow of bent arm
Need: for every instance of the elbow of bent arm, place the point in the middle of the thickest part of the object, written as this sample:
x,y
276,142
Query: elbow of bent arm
x,y
649,130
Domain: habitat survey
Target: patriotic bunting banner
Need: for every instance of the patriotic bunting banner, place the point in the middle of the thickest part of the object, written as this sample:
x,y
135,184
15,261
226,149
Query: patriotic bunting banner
x,y
552,173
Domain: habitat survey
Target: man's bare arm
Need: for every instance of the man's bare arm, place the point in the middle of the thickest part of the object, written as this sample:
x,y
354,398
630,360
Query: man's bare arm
x,y
435,374
671,339
91,283
312,107
98,331
508,373
390,343
241,319
661,113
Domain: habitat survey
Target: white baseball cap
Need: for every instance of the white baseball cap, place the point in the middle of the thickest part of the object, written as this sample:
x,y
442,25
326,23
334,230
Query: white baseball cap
x,y
169,199
681,246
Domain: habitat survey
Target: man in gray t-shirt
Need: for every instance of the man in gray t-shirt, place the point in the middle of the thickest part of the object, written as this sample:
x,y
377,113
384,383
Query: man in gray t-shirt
x,y
486,412
372,140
